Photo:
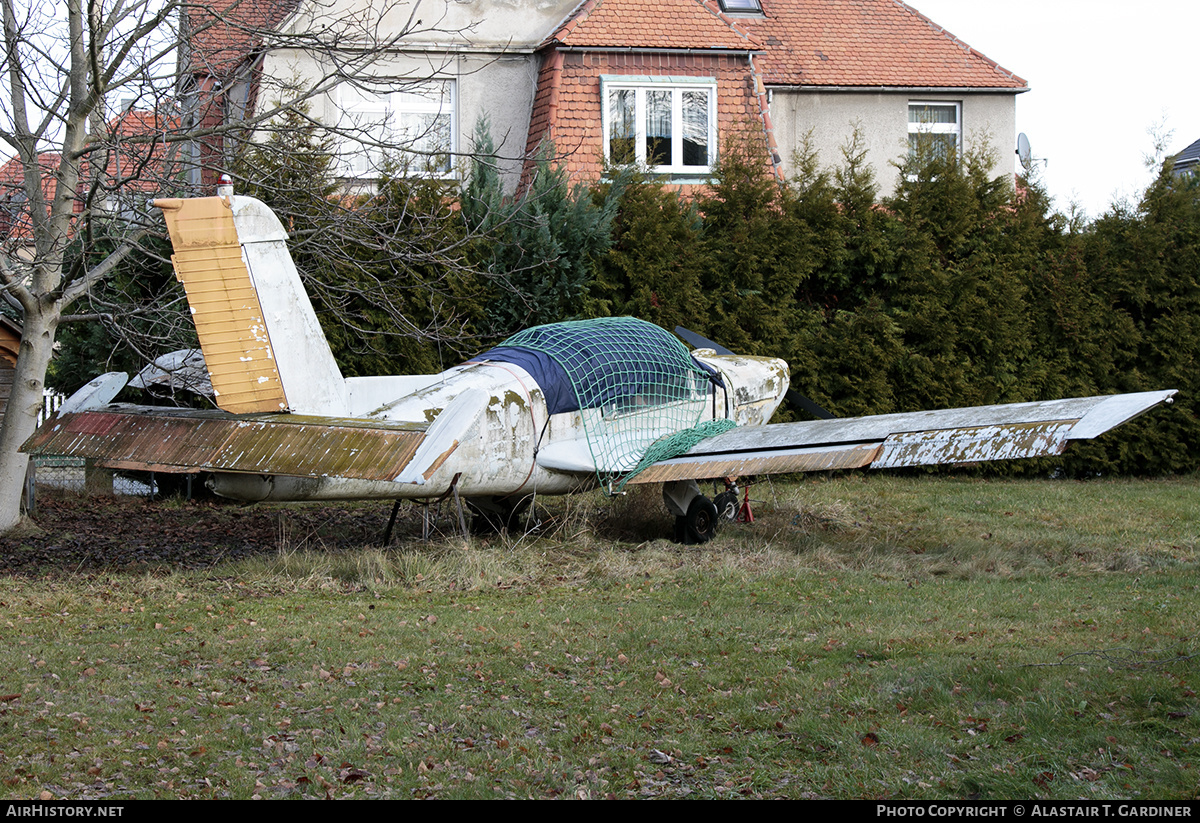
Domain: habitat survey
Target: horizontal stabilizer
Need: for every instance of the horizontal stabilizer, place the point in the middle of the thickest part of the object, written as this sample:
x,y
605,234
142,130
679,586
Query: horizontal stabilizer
x,y
927,438
147,438
99,392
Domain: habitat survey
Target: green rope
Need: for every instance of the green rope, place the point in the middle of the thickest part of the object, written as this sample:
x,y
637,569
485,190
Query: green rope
x,y
674,445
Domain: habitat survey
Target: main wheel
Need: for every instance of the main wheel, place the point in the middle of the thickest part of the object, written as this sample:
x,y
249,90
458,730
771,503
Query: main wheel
x,y
701,520
727,506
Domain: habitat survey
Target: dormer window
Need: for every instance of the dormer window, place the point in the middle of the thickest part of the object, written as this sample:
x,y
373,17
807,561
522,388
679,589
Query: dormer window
x,y
741,6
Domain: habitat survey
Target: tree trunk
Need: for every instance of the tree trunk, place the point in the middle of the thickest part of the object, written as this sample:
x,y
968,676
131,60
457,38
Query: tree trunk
x,y
20,418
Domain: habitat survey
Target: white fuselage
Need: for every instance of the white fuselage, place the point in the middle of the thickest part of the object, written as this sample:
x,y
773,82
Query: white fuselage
x,y
492,448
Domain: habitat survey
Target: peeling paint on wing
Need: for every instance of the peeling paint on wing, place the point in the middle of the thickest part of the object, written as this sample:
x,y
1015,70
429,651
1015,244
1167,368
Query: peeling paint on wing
x,y
785,460
975,444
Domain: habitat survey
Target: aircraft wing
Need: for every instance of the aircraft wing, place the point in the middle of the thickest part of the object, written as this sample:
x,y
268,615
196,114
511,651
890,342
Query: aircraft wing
x,y
927,438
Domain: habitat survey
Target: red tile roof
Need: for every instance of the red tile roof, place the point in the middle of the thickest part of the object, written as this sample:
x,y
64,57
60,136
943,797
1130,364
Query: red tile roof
x,y
140,164
652,24
867,43
136,167
12,176
15,221
222,33
856,43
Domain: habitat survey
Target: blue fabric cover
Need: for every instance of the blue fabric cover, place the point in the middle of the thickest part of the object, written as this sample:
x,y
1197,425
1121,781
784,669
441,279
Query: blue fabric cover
x,y
625,360
555,385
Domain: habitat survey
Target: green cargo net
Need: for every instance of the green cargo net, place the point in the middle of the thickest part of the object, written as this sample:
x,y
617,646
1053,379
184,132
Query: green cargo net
x,y
641,396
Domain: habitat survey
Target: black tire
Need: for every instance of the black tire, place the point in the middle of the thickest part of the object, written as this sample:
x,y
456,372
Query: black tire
x,y
727,506
701,520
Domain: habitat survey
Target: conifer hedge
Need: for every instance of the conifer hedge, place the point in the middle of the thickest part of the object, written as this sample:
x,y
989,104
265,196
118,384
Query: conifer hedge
x,y
959,289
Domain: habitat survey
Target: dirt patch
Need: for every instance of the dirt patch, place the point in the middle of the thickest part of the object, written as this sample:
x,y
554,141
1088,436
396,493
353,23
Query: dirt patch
x,y
76,533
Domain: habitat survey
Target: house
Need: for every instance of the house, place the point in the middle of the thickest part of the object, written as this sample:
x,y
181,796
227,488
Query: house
x,y
661,83
10,346
883,68
1188,160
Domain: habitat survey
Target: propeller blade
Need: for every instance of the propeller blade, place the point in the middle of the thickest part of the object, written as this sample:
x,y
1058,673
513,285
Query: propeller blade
x,y
800,401
697,341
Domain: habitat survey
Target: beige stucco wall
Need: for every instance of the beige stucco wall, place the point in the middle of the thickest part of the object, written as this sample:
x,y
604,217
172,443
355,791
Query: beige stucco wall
x,y
881,118
485,46
500,86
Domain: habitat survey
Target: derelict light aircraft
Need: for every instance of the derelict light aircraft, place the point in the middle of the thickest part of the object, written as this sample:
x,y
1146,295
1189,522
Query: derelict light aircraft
x,y
554,410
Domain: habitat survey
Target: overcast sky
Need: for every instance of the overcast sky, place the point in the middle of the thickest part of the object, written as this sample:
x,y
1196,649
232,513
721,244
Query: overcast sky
x,y
1102,75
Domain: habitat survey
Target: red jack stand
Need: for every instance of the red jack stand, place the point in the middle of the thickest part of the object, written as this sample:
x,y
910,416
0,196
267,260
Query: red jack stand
x,y
745,513
729,498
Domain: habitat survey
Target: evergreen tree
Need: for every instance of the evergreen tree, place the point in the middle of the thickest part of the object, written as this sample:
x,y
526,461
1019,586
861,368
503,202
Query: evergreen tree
x,y
1077,335
848,342
852,351
652,270
1146,263
539,250
961,303
405,298
757,253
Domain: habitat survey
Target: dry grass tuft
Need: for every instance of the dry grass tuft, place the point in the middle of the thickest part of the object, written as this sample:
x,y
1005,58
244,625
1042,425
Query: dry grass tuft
x,y
896,528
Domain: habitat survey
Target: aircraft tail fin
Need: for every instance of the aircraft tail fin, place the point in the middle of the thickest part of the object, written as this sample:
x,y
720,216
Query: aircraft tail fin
x,y
262,341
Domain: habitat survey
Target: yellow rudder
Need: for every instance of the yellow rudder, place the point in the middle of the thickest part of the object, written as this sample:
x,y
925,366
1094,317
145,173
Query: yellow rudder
x,y
225,306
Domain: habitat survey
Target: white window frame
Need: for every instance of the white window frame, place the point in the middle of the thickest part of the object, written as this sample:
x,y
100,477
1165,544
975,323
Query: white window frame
x,y
381,115
924,127
677,86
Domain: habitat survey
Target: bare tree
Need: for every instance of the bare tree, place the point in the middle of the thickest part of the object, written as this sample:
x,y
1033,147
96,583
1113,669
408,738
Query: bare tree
x,y
103,108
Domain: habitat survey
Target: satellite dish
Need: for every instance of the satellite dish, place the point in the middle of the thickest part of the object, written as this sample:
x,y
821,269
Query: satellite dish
x,y
1024,152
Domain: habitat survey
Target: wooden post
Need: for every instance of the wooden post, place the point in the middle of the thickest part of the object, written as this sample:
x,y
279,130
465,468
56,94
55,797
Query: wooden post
x,y
96,480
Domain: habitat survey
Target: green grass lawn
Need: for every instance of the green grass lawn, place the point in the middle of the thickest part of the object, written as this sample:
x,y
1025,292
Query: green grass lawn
x,y
867,637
